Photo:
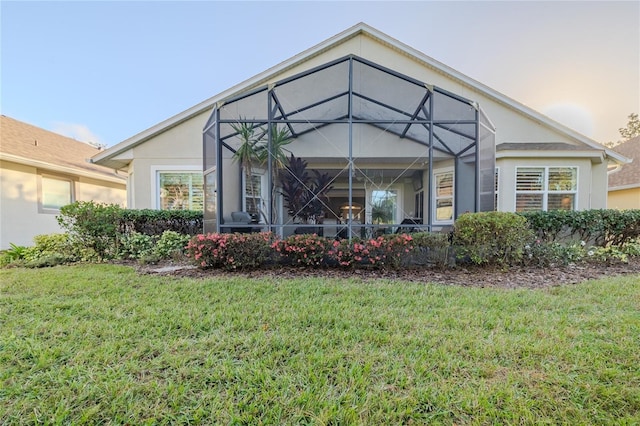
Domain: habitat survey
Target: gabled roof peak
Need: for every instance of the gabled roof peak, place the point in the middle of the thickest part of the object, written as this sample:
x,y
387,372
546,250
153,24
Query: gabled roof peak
x,y
353,31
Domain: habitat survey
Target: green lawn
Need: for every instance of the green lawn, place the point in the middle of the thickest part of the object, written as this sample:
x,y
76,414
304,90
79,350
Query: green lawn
x,y
100,344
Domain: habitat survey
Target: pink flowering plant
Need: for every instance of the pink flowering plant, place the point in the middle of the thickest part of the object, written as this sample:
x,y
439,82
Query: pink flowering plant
x,y
303,250
388,251
230,251
384,252
347,254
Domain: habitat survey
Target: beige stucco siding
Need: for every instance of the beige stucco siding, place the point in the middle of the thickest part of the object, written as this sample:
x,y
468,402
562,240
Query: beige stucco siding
x,y
368,142
21,219
624,199
179,147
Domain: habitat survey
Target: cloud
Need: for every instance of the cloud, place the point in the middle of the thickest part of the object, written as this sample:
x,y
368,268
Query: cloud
x,y
78,132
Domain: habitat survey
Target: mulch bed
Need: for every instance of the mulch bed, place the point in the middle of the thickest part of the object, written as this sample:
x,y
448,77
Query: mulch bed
x,y
517,277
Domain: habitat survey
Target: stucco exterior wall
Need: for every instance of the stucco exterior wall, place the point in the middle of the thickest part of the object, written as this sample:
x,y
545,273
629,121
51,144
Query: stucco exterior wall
x,y
181,145
178,148
20,219
624,199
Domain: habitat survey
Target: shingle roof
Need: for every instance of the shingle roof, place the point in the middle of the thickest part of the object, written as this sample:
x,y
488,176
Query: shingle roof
x,y
24,143
629,174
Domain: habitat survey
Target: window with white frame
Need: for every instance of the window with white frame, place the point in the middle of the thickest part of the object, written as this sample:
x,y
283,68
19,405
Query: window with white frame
x,y
546,188
253,195
180,190
55,192
443,196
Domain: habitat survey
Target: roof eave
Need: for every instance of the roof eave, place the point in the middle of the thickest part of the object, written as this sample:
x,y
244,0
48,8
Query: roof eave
x,y
623,187
62,169
595,156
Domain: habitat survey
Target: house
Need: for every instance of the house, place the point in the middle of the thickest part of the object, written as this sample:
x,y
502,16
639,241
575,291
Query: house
x,y
40,171
624,181
394,135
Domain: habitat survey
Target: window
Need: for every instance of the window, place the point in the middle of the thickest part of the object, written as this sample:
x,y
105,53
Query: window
x,y
443,193
419,205
384,206
546,188
253,195
181,190
55,192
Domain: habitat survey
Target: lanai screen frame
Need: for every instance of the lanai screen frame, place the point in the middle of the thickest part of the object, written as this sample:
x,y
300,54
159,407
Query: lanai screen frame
x,y
430,115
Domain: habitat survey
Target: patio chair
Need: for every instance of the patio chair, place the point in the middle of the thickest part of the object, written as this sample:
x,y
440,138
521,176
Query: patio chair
x,y
238,223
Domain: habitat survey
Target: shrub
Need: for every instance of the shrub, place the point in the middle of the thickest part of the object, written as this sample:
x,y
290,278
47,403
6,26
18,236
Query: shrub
x,y
93,226
384,252
58,246
631,248
155,222
303,250
610,254
230,251
46,261
12,254
388,251
491,237
347,254
135,246
431,248
170,245
552,253
596,227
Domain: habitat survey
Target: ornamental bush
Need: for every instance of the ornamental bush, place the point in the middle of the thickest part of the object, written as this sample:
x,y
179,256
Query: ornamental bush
x,y
431,249
92,226
596,227
155,222
552,253
491,237
59,246
171,244
304,250
231,251
135,245
383,252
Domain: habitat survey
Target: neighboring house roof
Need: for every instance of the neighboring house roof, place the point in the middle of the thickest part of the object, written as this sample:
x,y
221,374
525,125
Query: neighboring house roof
x,y
109,157
30,145
627,176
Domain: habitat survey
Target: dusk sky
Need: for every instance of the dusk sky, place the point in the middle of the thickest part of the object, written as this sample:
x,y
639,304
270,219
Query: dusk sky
x,y
104,71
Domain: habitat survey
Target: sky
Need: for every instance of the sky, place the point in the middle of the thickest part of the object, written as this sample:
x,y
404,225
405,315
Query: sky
x,y
105,71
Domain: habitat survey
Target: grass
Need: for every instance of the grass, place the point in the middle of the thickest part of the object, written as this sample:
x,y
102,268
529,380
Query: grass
x,y
99,344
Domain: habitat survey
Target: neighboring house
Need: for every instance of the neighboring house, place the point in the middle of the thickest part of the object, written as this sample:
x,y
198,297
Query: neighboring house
x,y
624,181
401,136
41,171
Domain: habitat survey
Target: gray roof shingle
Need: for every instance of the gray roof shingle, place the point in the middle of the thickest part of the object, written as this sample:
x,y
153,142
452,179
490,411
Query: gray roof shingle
x,y
629,174
29,142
